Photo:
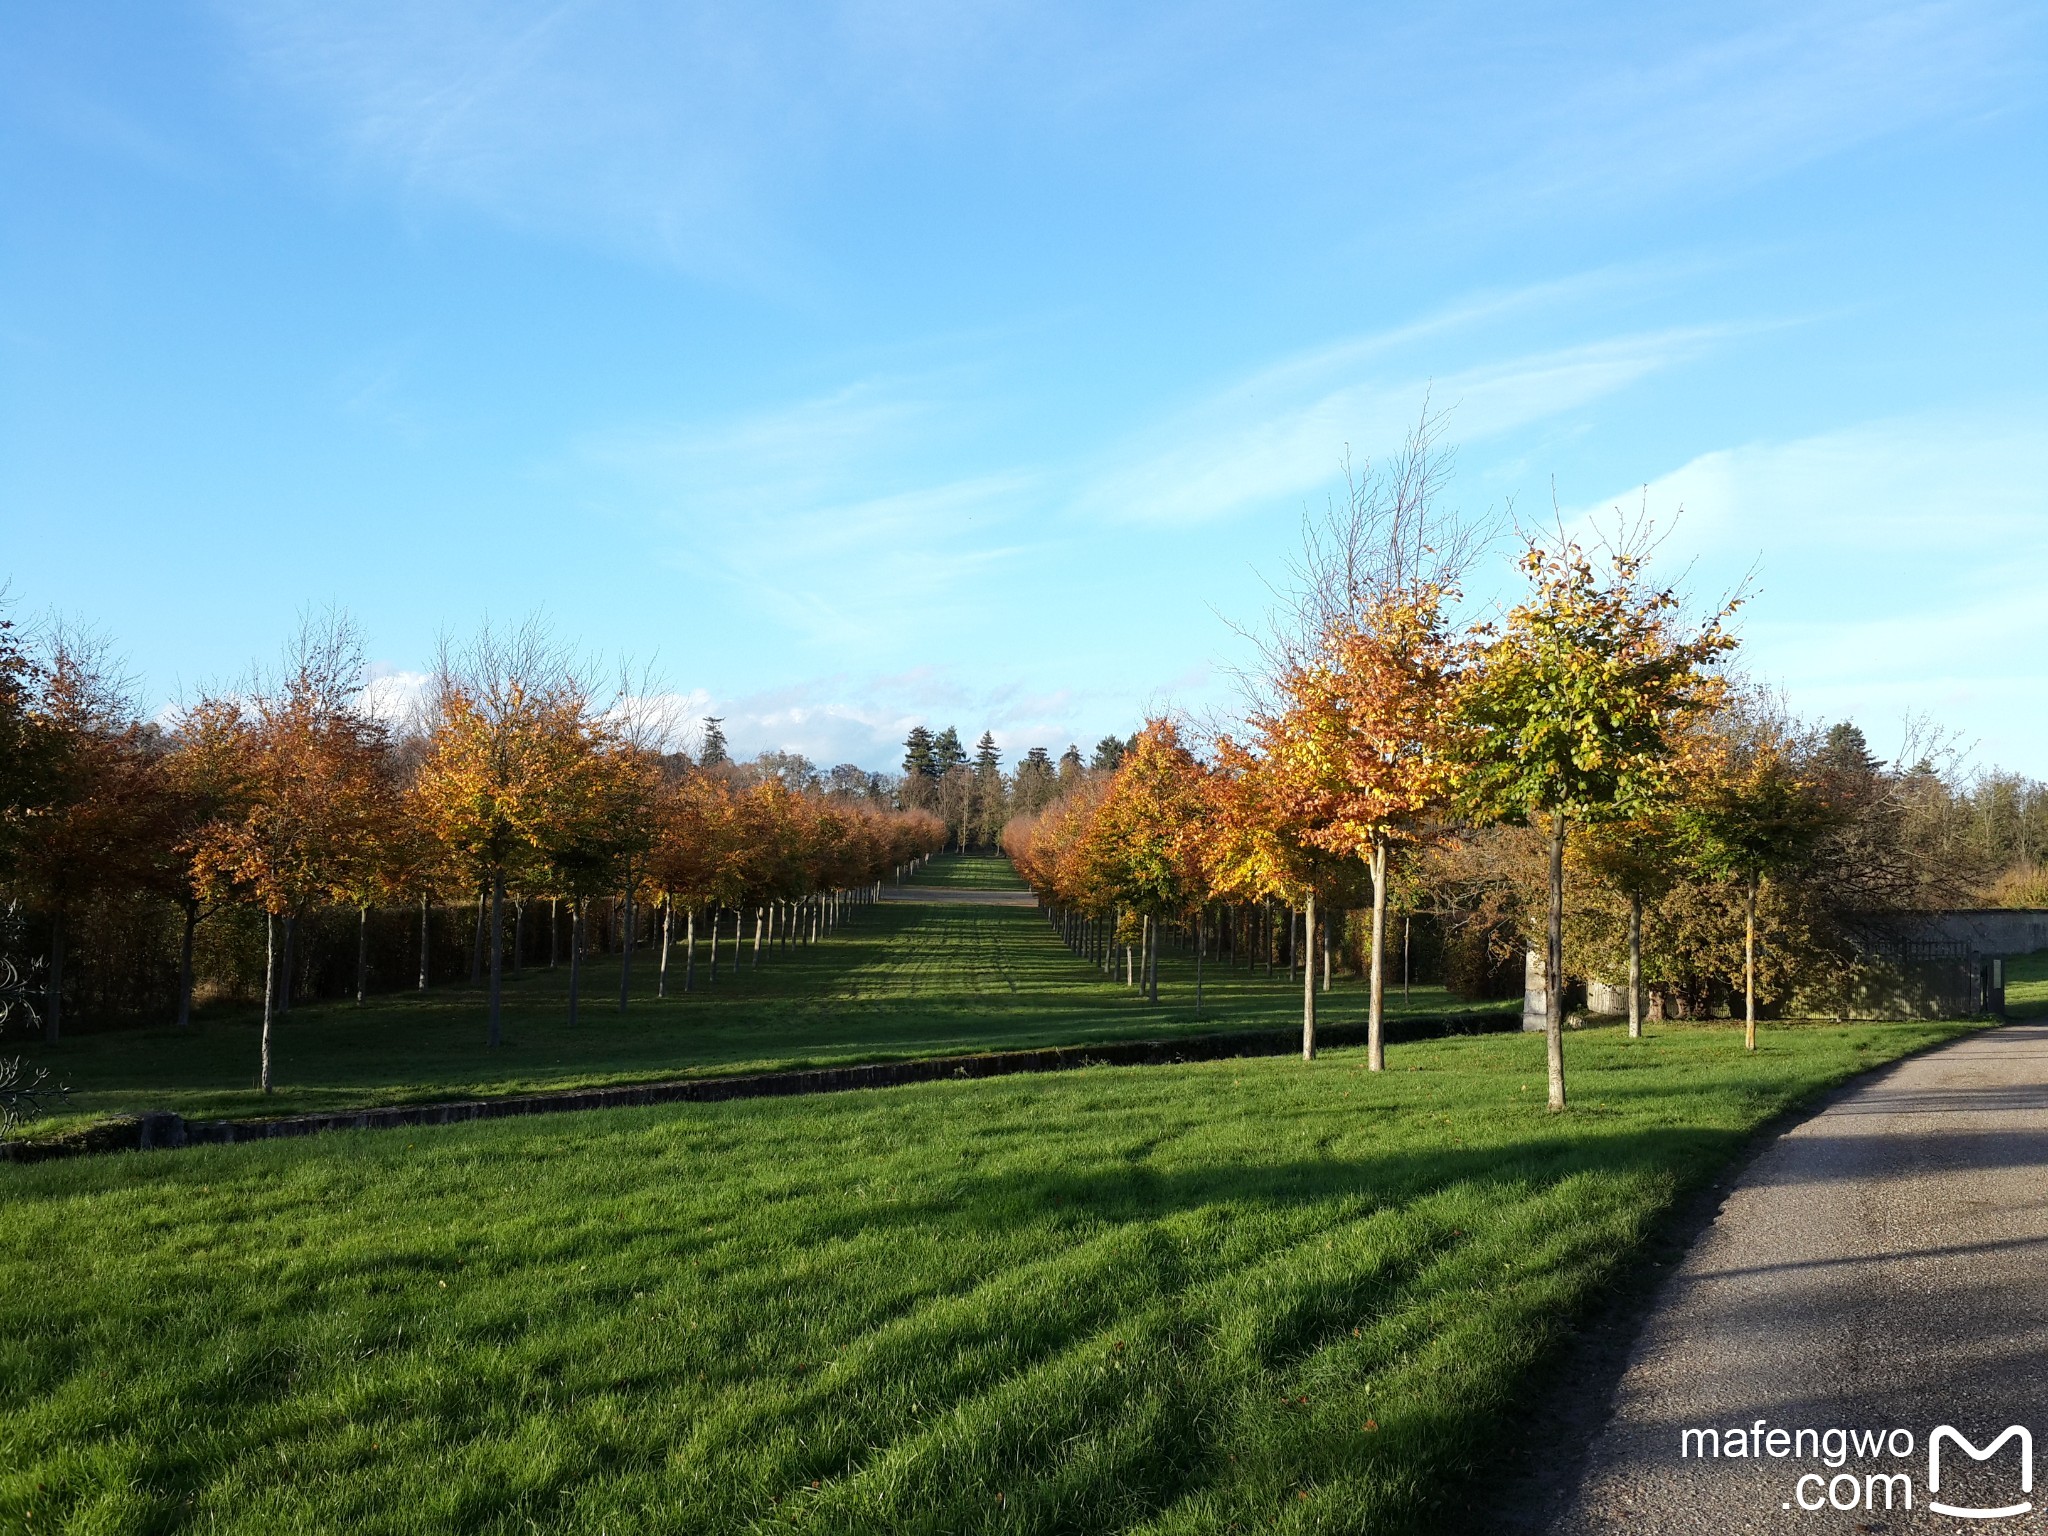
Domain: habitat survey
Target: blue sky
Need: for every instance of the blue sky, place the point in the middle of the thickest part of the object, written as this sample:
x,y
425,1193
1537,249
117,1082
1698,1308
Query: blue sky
x,y
968,363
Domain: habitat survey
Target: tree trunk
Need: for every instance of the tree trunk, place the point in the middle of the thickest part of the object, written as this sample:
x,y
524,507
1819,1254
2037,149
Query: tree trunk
x,y
668,914
1407,932
1553,977
554,929
1326,946
362,953
1266,933
626,958
269,995
1376,1003
497,954
1749,965
185,966
1635,965
760,927
518,937
1201,932
1308,992
575,954
425,907
53,995
712,974
690,950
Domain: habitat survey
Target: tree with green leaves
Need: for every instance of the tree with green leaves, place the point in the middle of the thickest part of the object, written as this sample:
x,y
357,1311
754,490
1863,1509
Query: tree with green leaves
x,y
1572,709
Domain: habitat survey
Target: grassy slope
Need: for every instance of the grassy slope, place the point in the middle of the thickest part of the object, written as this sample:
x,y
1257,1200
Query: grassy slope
x,y
1202,1298
897,981
2026,986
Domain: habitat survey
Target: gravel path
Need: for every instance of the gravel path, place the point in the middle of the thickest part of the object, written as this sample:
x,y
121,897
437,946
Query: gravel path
x,y
1882,1267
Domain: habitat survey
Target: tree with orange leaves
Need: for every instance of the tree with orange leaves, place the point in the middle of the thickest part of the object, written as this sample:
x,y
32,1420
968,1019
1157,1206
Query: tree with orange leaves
x,y
1357,759
320,797
1145,841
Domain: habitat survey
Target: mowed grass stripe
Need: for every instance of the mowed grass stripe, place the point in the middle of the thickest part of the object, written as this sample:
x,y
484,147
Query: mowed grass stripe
x,y
1246,1294
895,982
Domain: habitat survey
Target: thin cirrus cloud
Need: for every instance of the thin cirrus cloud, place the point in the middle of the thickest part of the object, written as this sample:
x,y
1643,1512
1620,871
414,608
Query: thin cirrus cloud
x,y
692,132
1280,433
1898,566
1804,83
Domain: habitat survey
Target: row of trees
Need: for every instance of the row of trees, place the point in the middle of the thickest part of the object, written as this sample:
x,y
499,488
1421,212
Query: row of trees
x,y
1592,737
514,783
974,797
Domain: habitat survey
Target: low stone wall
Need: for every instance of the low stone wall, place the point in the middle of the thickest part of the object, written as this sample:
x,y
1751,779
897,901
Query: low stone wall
x,y
165,1130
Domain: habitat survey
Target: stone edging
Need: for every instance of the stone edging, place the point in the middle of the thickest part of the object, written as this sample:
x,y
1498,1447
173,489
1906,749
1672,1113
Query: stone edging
x,y
162,1129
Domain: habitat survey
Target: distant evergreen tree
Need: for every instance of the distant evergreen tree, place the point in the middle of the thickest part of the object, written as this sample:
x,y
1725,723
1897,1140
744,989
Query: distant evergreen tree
x,y
1070,765
991,795
1109,754
917,754
714,751
947,753
1036,784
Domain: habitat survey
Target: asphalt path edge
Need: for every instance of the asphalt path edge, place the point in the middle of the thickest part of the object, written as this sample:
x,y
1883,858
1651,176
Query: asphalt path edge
x,y
1548,1436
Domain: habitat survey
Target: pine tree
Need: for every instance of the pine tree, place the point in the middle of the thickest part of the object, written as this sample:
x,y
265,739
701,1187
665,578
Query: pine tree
x,y
714,751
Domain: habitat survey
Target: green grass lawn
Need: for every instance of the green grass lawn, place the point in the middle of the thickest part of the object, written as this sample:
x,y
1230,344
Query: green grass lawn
x,y
2026,986
969,871
898,980
1232,1296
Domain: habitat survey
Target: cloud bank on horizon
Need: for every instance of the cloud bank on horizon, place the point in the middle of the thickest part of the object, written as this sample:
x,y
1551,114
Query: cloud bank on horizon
x,y
881,364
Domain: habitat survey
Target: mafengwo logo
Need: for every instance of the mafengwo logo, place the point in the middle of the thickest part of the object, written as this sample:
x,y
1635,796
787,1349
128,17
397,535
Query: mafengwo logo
x,y
1884,1463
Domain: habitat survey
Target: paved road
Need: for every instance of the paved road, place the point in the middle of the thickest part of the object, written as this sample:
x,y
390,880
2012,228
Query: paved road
x,y
1883,1266
958,895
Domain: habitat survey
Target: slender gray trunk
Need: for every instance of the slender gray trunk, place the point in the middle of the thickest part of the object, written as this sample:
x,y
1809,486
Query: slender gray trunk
x,y
269,995
362,953
760,927
425,906
554,928
1635,965
1407,925
1749,965
497,955
668,912
1308,993
690,950
518,937
1376,1006
1330,920
1553,979
1201,930
711,974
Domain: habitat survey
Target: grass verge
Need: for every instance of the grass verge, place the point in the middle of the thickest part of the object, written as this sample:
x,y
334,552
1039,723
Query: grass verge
x,y
1229,1296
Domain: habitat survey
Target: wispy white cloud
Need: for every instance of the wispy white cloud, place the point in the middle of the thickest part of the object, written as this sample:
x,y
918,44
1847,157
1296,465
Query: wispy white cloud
x,y
1900,566
1682,105
1280,434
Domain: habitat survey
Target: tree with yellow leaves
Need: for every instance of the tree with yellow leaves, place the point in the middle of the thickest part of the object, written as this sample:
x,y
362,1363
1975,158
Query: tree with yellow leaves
x,y
506,759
